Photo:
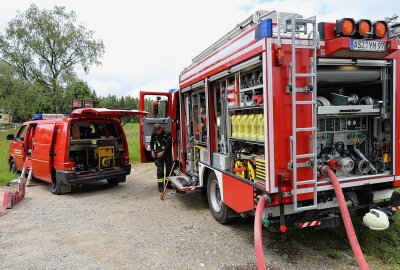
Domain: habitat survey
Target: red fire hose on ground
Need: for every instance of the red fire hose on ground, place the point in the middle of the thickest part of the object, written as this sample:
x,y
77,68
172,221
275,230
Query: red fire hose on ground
x,y
355,246
260,259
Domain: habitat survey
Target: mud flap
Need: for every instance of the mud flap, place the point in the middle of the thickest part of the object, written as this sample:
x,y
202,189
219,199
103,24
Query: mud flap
x,y
65,188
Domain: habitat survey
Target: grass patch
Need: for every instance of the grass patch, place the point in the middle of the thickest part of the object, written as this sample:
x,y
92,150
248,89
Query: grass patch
x,y
133,137
5,174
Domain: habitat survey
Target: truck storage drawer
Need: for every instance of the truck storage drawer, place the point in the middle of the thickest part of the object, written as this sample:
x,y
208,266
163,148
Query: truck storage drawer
x,y
348,109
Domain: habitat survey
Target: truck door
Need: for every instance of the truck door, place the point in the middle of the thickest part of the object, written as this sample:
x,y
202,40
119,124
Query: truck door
x,y
17,147
42,151
159,104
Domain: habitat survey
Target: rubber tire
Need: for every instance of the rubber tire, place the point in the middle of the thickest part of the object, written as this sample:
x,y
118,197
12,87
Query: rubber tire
x,y
226,215
55,186
13,166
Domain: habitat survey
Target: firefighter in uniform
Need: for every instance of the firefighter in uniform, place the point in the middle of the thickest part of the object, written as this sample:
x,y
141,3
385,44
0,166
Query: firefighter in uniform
x,y
161,151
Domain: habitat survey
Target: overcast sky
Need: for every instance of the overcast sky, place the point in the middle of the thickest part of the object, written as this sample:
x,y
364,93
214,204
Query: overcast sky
x,y
148,43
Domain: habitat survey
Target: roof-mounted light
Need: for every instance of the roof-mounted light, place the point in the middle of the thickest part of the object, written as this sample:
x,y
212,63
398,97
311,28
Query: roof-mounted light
x,y
363,27
380,29
345,27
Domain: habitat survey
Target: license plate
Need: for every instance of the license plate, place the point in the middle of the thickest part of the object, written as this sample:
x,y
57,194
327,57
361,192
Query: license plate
x,y
367,45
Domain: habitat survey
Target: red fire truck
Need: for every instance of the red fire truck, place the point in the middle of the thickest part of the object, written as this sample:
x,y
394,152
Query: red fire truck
x,y
279,97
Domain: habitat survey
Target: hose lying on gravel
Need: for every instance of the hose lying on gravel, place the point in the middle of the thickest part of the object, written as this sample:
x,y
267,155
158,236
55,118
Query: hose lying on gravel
x,y
355,246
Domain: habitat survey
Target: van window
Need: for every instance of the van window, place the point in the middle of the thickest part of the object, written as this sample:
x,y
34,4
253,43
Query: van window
x,y
157,107
94,130
21,133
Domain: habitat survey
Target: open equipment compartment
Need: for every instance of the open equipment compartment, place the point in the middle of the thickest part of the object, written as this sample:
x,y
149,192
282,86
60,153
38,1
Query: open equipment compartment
x,y
95,146
355,116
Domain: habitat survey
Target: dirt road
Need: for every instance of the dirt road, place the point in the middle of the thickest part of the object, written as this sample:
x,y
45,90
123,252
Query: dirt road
x,y
128,227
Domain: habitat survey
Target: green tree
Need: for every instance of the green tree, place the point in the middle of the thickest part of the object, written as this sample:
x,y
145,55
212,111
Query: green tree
x,y
46,47
16,96
77,90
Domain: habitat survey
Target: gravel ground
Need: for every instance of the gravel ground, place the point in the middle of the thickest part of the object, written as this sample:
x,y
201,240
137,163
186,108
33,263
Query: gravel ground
x,y
128,227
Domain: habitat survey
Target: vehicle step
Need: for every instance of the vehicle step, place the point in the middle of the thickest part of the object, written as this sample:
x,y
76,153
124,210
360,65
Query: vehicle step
x,y
183,183
177,172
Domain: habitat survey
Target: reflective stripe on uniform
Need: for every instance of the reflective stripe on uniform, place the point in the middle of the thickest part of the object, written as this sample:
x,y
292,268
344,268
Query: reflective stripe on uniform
x,y
160,180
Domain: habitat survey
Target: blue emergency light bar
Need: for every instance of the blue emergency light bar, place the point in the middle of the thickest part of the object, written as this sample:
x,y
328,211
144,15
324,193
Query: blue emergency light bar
x,y
45,116
264,29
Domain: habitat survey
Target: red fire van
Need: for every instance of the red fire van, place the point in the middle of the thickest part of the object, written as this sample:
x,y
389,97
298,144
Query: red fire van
x,y
89,145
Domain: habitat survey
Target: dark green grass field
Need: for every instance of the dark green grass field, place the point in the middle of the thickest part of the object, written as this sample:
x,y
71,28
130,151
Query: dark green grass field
x,y
5,174
382,247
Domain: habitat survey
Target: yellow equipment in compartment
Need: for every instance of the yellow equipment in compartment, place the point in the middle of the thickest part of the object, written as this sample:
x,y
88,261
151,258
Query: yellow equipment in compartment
x,y
105,156
245,172
251,173
260,169
239,169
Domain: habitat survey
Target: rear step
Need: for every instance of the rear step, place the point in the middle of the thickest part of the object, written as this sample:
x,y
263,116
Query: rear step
x,y
183,183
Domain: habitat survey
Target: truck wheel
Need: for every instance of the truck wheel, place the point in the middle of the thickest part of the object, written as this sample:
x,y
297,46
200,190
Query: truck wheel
x,y
13,166
220,211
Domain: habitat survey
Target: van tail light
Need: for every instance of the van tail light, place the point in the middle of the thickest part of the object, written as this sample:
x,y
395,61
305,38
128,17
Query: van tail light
x,y
285,186
126,159
69,166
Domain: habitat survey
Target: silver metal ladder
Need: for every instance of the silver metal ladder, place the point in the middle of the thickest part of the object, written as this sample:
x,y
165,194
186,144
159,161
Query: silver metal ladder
x,y
297,25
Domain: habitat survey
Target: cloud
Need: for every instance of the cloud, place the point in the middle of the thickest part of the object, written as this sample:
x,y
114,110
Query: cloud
x,y
148,43
104,87
163,85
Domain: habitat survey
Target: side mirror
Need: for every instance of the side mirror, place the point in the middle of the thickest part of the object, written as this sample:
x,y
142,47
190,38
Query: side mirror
x,y
10,137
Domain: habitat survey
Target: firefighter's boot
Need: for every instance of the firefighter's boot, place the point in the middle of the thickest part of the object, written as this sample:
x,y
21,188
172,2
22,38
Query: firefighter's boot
x,y
160,186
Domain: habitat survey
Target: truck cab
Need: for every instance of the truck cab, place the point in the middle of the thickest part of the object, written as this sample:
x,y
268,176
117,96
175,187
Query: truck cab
x,y
88,146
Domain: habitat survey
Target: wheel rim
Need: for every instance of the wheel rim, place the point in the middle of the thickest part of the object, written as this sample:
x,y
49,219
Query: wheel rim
x,y
215,196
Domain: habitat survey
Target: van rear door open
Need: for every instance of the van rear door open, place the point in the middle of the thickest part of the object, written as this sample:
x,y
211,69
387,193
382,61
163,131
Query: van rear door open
x,y
41,152
105,113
